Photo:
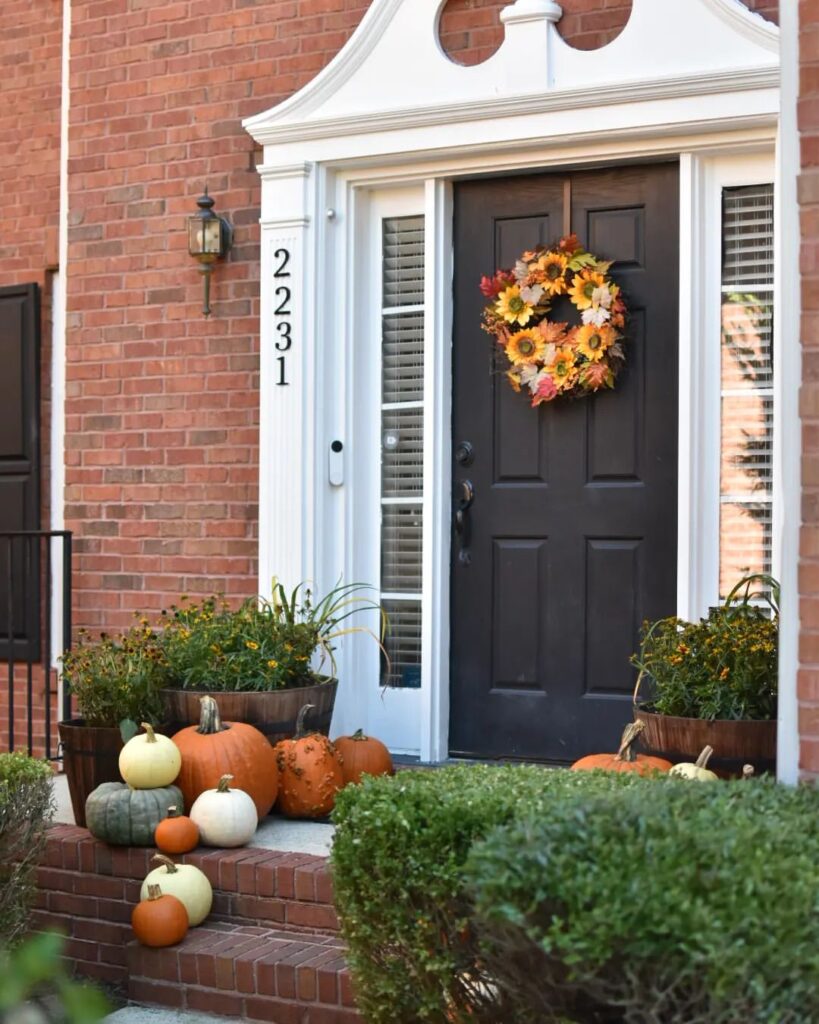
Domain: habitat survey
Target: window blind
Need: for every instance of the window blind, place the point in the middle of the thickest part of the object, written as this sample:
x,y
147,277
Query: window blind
x,y
402,458
746,384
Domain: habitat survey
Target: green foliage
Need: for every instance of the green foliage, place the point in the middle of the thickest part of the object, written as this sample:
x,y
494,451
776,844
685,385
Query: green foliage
x,y
116,679
663,901
34,986
25,810
724,666
398,868
263,645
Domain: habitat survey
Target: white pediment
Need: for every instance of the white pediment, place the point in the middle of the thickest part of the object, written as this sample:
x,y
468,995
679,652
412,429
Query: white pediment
x,y
393,73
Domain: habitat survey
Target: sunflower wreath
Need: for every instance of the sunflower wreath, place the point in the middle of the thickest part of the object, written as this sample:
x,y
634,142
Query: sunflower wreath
x,y
550,359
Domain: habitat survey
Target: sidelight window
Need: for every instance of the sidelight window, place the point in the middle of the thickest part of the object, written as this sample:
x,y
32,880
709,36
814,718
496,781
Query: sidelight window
x,y
746,383
402,445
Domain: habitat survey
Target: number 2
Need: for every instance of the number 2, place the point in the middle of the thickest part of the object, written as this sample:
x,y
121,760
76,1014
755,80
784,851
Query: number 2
x,y
284,256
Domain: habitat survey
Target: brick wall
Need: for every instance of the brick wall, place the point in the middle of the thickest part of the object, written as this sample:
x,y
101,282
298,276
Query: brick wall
x,y
808,119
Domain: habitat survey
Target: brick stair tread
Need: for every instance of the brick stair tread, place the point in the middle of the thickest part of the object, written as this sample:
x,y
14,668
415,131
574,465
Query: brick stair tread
x,y
281,975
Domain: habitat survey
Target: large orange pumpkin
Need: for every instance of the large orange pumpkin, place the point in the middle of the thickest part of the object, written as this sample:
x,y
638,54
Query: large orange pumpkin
x,y
213,749
363,755
310,773
625,760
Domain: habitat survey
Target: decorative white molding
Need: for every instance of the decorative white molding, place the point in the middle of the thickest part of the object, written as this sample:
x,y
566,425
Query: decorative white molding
x,y
531,10
285,222
747,22
299,170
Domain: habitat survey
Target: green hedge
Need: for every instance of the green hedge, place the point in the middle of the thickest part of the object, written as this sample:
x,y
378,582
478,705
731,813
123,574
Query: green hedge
x,y
670,902
25,810
398,868
449,883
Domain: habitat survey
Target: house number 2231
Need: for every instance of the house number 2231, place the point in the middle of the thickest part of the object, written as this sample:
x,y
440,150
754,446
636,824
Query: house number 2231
x,y
283,313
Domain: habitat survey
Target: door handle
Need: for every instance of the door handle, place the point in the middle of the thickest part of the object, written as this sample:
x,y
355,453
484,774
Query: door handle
x,y
461,520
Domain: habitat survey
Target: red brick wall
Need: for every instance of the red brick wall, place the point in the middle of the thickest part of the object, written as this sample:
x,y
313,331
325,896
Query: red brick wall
x,y
808,118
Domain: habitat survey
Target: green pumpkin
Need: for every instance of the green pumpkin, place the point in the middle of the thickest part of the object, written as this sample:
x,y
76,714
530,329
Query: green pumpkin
x,y
123,816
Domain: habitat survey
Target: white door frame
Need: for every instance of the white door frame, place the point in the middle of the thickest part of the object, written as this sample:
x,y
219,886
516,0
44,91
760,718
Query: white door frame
x,y
339,140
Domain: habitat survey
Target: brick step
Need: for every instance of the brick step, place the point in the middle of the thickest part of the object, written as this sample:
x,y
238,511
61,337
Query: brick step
x,y
283,976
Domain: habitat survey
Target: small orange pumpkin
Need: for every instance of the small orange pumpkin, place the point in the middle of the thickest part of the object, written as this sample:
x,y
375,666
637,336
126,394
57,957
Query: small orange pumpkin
x,y
212,749
625,760
310,772
176,833
159,920
363,755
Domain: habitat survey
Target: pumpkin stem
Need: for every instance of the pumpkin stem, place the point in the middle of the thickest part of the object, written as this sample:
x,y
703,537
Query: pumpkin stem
x,y
704,758
224,784
173,811
154,892
210,721
169,864
300,730
359,735
149,729
630,734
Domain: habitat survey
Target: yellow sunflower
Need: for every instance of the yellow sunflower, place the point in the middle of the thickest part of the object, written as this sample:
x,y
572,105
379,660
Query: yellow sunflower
x,y
552,267
593,341
525,346
513,307
583,288
562,369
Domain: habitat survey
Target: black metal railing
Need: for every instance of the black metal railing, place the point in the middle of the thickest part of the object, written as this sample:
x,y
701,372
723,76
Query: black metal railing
x,y
35,576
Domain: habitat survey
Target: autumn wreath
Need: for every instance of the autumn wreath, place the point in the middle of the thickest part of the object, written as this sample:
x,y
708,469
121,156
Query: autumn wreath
x,y
550,359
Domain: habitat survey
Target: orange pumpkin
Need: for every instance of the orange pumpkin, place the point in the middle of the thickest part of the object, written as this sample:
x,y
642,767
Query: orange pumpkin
x,y
176,833
159,920
363,755
212,749
625,760
310,772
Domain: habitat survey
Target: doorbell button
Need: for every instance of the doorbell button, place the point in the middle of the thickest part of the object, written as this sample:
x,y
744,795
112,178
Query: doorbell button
x,y
336,464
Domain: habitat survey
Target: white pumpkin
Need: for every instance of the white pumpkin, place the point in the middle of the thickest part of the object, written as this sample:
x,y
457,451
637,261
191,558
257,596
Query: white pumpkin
x,y
186,882
224,816
698,771
149,761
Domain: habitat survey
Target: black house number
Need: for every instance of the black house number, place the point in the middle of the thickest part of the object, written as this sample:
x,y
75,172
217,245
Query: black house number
x,y
283,313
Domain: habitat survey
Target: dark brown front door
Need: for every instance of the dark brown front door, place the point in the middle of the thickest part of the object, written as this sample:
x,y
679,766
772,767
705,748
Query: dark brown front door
x,y
571,539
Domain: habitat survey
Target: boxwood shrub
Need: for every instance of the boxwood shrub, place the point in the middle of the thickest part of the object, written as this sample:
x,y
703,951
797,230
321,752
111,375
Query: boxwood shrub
x,y
398,868
673,902
25,811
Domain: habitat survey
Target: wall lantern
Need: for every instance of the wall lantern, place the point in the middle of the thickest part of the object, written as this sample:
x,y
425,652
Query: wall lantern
x,y
209,238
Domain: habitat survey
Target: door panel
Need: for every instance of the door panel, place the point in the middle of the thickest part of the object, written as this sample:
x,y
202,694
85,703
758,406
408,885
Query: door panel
x,y
572,535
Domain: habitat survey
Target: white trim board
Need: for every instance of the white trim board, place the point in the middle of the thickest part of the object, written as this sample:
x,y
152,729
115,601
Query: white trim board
x,y
700,86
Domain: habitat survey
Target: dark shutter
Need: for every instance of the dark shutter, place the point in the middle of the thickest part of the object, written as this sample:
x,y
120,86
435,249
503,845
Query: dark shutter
x,y
19,468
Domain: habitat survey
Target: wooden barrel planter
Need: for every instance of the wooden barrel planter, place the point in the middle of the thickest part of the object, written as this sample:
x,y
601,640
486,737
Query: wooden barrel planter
x,y
735,743
272,712
90,757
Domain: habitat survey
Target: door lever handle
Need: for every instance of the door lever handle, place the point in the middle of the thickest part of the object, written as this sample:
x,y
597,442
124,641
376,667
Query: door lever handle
x,y
461,522
467,495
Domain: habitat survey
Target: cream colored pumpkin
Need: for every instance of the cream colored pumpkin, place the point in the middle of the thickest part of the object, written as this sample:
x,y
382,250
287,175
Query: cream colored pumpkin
x,y
698,771
149,761
186,882
224,816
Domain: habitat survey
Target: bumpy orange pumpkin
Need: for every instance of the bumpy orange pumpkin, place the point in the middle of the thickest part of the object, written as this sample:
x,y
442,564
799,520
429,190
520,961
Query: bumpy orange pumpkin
x,y
176,833
211,750
159,920
625,760
310,771
363,755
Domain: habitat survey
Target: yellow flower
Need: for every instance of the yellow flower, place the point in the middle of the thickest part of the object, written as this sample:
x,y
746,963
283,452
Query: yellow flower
x,y
513,307
583,288
562,369
252,645
593,341
724,673
525,346
552,265
272,663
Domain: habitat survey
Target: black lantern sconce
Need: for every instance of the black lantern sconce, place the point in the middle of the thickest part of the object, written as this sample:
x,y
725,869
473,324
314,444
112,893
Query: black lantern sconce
x,y
209,238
